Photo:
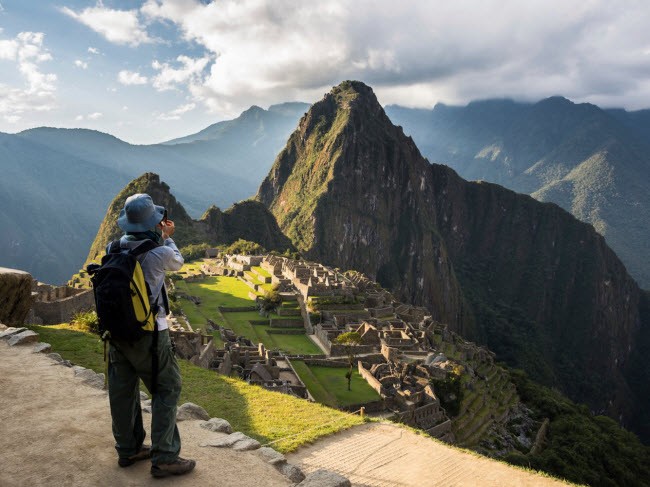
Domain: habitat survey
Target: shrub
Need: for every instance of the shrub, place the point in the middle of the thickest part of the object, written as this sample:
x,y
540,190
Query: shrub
x,y
194,251
245,247
86,321
272,299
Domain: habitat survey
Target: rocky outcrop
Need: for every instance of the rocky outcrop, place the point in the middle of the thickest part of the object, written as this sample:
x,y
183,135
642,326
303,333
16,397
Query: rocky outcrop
x,y
15,295
540,288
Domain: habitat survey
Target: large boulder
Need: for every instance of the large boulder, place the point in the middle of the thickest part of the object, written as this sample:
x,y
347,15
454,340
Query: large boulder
x,y
15,296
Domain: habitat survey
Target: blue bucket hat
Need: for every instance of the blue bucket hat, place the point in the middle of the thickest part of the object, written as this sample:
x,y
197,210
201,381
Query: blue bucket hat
x,y
140,214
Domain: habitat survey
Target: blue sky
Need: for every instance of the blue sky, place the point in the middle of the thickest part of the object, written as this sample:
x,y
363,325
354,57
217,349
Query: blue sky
x,y
151,70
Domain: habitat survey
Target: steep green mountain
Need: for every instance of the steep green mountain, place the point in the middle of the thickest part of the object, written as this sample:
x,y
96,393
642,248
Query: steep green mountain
x,y
58,182
540,288
248,220
594,163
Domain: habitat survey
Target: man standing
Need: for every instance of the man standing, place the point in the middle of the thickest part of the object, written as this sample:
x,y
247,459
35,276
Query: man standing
x,y
129,361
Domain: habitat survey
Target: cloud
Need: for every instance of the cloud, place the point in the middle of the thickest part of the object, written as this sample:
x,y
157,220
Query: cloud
x,y
26,52
95,116
81,64
190,72
413,52
117,26
79,118
131,78
176,113
93,50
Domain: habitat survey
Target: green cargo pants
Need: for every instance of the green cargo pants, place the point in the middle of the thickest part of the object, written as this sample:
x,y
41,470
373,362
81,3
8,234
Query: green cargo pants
x,y
128,363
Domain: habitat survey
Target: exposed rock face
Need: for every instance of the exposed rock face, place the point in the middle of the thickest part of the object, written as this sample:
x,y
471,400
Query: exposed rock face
x,y
537,286
248,220
15,295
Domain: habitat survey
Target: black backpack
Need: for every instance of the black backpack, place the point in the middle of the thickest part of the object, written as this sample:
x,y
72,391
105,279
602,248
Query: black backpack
x,y
122,296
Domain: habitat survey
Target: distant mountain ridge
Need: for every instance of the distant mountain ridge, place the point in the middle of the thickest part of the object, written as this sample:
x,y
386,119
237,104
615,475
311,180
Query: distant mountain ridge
x,y
539,287
57,183
594,163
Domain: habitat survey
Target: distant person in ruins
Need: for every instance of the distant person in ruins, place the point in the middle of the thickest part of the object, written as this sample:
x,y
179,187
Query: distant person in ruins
x,y
128,362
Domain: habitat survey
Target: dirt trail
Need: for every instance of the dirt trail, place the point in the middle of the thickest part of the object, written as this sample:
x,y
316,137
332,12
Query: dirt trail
x,y
56,431
385,455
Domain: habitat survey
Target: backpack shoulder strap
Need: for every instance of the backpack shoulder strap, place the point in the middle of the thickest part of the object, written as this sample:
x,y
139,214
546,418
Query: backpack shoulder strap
x,y
144,247
114,247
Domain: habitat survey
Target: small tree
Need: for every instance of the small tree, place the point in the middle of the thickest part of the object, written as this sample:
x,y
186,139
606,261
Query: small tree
x,y
349,340
272,299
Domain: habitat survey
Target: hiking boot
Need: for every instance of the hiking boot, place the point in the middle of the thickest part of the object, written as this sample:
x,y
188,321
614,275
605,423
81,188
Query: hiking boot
x,y
178,467
143,454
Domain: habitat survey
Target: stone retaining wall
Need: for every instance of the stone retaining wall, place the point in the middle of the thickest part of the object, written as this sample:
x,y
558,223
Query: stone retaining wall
x,y
286,323
335,364
236,309
371,380
62,311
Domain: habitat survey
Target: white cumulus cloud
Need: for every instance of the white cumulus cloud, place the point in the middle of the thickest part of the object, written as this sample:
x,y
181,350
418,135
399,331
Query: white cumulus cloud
x,y
81,64
26,52
414,52
93,50
131,78
117,26
95,116
177,112
190,72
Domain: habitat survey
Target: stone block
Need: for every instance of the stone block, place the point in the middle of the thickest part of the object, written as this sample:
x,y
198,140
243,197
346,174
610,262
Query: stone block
x,y
226,441
56,357
189,411
218,425
15,296
41,347
324,478
23,338
271,456
246,445
11,331
3,327
292,472
143,396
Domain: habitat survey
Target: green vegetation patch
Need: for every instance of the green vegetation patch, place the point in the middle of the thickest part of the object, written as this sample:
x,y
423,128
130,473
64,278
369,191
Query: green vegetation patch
x,y
579,446
218,291
265,415
329,386
240,323
74,344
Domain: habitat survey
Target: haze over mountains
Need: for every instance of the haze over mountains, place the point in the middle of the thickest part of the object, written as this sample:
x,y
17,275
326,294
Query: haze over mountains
x,y
57,183
594,163
591,162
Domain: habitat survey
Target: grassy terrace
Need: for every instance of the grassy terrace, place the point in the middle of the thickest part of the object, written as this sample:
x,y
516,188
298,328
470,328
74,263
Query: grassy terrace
x,y
240,323
233,293
329,386
261,414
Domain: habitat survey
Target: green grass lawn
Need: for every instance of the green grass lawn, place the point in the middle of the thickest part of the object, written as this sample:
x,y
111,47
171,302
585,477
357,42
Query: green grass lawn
x,y
240,323
261,414
329,386
231,292
261,271
218,291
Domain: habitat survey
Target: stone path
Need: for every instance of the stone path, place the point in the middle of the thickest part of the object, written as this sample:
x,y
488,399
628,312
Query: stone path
x,y
56,431
385,455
